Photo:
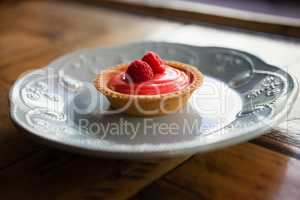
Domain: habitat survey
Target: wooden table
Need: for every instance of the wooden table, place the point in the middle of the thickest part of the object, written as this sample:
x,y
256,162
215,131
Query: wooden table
x,y
34,33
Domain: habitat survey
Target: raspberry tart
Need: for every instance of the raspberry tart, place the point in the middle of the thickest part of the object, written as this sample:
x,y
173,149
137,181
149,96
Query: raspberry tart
x,y
150,86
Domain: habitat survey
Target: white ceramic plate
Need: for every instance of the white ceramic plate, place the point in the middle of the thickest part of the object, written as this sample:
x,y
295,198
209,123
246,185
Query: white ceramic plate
x,y
240,99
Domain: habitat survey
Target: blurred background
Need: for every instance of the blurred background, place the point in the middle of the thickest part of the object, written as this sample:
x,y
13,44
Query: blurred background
x,y
287,8
275,16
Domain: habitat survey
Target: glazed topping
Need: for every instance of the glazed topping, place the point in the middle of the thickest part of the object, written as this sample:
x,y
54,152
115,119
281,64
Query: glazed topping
x,y
149,76
171,80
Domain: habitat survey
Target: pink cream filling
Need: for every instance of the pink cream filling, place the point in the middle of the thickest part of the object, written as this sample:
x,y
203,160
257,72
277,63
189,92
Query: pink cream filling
x,y
171,80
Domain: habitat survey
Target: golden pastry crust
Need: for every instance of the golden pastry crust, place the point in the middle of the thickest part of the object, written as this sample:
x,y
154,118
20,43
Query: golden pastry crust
x,y
149,105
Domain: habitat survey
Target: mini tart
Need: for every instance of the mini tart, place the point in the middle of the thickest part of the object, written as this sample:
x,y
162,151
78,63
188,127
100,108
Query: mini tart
x,y
149,105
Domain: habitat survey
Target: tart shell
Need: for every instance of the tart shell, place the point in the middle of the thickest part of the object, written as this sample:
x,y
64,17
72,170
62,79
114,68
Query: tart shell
x,y
148,105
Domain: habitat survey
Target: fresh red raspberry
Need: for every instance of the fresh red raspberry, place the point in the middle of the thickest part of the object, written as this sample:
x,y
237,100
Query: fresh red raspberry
x,y
139,71
155,62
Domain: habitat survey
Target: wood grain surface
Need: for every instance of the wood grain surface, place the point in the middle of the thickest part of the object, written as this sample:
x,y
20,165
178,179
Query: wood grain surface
x,y
244,171
33,33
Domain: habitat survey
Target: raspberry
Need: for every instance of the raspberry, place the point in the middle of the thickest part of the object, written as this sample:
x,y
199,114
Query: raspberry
x,y
155,62
139,71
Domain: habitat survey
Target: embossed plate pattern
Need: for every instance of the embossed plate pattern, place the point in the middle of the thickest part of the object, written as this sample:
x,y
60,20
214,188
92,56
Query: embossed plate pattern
x,y
241,98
